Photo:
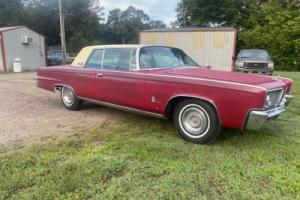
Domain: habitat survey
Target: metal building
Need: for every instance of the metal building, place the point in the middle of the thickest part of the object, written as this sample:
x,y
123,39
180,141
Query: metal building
x,y
213,47
24,45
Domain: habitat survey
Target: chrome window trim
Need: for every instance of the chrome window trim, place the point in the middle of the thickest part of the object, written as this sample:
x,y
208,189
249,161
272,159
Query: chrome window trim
x,y
102,58
130,67
131,56
138,59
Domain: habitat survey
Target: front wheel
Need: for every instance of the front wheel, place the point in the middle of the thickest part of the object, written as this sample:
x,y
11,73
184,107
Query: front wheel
x,y
196,121
69,99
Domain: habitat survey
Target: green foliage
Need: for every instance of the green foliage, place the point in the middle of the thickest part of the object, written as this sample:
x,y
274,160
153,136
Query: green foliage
x,y
279,33
206,13
273,25
123,26
157,24
11,12
78,40
81,19
137,157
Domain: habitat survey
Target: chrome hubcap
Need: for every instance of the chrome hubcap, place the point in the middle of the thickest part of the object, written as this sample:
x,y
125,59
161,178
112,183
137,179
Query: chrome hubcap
x,y
67,96
194,121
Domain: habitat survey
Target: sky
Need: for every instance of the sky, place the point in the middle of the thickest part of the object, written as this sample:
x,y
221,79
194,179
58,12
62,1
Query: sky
x,y
163,10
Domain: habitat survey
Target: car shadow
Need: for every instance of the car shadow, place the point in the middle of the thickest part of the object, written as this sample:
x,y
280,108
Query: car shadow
x,y
227,136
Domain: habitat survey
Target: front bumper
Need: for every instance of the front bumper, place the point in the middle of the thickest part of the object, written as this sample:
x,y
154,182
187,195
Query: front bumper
x,y
255,71
256,118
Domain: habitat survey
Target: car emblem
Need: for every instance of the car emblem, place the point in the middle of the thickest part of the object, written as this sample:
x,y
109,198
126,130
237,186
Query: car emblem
x,y
278,78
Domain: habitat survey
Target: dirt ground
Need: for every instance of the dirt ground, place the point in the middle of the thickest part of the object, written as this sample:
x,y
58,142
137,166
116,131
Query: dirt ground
x,y
29,114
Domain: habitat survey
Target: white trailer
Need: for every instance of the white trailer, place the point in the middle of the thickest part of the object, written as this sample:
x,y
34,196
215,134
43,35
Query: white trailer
x,y
214,47
22,45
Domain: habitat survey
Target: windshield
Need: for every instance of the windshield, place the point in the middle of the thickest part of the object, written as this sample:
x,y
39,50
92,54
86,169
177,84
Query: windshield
x,y
164,57
254,54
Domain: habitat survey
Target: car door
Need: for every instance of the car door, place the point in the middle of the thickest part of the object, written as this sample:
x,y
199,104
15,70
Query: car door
x,y
82,79
117,82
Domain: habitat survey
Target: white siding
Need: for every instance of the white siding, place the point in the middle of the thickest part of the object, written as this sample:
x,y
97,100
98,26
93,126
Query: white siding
x,y
1,59
207,48
32,56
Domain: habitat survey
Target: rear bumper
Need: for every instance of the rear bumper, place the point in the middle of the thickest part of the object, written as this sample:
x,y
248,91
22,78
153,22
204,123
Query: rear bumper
x,y
256,118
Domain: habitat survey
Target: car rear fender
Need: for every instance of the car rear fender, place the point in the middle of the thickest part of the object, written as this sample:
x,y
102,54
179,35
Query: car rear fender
x,y
58,87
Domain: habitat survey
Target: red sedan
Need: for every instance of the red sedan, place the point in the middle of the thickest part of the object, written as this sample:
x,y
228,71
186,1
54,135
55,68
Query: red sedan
x,y
164,82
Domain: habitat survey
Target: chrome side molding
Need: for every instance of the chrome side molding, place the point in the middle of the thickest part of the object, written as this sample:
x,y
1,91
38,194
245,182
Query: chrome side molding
x,y
115,106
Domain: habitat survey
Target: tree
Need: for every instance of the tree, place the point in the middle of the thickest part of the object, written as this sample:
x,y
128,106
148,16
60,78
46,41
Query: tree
x,y
11,12
43,17
207,13
279,32
157,24
82,18
123,26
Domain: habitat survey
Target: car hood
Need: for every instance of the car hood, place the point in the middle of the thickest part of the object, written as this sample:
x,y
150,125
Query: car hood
x,y
196,72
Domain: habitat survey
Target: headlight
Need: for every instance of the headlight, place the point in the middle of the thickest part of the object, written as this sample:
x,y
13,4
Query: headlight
x,y
274,98
271,65
240,64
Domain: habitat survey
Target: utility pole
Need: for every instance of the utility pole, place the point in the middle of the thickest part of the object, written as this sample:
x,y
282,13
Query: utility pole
x,y
62,31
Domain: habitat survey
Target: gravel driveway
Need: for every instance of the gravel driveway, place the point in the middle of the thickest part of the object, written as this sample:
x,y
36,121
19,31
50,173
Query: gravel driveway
x,y
29,114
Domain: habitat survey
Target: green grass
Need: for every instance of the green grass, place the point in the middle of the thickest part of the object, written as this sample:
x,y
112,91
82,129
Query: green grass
x,y
144,158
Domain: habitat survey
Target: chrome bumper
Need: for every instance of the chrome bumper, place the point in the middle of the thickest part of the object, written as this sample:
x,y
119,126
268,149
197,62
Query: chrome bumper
x,y
256,119
255,71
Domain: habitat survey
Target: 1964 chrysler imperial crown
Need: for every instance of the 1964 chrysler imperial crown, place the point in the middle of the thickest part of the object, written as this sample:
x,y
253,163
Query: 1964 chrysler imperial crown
x,y
164,82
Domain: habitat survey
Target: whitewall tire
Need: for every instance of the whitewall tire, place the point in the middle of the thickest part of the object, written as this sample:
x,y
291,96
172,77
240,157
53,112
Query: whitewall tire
x,y
196,121
69,99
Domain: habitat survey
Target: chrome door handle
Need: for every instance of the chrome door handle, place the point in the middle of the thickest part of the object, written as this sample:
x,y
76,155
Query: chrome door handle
x,y
100,75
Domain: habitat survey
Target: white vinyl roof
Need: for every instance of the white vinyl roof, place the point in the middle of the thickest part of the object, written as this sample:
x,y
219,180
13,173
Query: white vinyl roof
x,y
83,55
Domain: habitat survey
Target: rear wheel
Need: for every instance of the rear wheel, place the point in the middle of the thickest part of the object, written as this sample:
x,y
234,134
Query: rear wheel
x,y
196,121
69,99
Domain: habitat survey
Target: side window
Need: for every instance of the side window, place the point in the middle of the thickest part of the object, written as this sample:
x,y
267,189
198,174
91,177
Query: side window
x,y
146,59
117,59
95,60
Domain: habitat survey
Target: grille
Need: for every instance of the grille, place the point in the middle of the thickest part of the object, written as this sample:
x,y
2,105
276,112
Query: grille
x,y
256,65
